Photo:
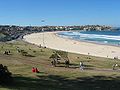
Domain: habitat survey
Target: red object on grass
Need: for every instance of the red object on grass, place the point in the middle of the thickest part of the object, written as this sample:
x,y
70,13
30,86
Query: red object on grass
x,y
33,70
36,70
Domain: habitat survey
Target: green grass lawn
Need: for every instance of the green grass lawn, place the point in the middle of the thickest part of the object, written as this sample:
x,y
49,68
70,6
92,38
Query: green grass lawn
x,y
98,73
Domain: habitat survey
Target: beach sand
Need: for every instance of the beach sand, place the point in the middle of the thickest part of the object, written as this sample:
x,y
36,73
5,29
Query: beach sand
x,y
51,40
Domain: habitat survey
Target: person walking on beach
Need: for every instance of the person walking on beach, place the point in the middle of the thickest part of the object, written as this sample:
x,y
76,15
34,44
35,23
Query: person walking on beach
x,y
81,65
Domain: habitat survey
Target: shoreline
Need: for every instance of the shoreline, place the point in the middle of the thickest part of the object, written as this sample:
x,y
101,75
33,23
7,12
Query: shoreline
x,y
88,41
53,41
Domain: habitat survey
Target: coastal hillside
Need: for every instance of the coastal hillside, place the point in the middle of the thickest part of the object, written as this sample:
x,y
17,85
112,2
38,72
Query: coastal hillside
x,y
13,32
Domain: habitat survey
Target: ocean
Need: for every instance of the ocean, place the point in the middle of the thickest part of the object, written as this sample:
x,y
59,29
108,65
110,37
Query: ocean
x,y
100,37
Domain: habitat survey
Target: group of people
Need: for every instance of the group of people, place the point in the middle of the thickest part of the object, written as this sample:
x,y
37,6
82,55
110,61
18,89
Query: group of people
x,y
35,70
7,52
67,63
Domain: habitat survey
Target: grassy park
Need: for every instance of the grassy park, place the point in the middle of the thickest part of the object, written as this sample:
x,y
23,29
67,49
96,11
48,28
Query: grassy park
x,y
97,73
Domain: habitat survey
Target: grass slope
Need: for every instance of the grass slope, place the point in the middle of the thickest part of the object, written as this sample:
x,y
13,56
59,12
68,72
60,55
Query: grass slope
x,y
98,73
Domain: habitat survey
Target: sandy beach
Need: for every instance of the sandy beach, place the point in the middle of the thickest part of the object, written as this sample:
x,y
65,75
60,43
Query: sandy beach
x,y
51,40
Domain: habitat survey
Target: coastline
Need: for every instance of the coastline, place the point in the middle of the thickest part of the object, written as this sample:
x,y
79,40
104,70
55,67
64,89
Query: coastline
x,y
59,43
90,41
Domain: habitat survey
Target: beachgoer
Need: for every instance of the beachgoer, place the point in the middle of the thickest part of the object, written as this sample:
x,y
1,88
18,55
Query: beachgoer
x,y
36,70
67,63
33,70
114,66
88,53
40,46
116,57
52,62
81,65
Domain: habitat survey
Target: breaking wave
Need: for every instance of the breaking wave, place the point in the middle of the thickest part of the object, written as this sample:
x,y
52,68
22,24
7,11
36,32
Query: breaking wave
x,y
96,36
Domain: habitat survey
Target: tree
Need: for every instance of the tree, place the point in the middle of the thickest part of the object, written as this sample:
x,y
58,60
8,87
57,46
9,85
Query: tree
x,y
54,58
58,55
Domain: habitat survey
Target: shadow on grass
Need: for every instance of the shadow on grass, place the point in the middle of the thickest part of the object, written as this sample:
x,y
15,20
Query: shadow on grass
x,y
28,55
75,66
88,66
72,66
54,82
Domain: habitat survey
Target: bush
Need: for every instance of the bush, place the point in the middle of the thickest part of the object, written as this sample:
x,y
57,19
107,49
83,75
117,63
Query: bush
x,y
5,75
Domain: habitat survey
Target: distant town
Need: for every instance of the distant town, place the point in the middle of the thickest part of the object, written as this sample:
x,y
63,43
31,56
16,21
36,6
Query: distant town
x,y
10,32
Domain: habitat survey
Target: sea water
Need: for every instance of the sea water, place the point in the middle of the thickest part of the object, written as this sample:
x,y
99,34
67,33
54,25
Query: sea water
x,y
100,37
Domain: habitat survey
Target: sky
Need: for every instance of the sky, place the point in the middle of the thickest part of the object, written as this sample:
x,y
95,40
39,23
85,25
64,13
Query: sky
x,y
60,12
